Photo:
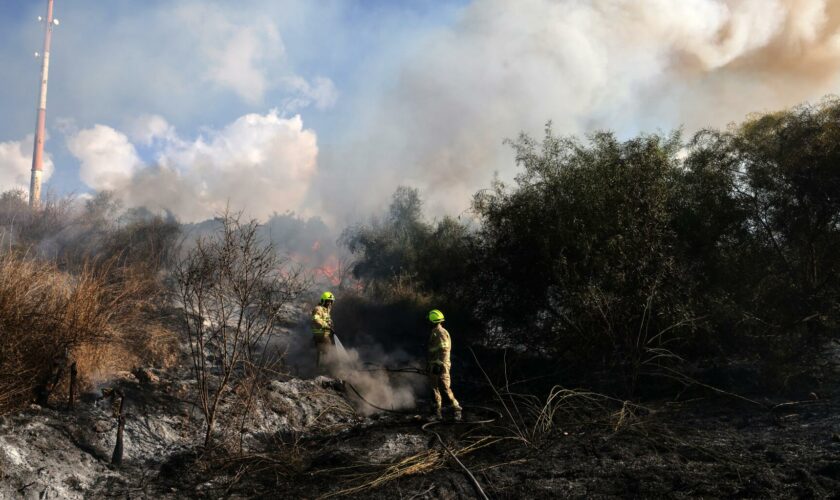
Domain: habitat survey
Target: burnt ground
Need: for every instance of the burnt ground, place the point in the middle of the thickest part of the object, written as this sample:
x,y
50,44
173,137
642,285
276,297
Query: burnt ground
x,y
309,444
702,448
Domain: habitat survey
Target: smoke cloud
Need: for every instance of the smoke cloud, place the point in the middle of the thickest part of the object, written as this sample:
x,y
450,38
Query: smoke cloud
x,y
108,159
375,385
627,65
260,164
427,106
16,164
240,56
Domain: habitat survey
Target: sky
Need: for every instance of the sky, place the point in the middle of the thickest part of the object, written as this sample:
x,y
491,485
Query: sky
x,y
324,107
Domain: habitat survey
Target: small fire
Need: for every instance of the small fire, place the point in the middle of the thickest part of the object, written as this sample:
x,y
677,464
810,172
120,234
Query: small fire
x,y
325,267
330,270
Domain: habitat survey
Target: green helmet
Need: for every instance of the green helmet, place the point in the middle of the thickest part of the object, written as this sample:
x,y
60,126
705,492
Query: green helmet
x,y
435,316
327,297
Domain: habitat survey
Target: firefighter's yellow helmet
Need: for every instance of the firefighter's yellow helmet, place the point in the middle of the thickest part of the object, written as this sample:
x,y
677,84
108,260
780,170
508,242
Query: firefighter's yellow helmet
x,y
435,316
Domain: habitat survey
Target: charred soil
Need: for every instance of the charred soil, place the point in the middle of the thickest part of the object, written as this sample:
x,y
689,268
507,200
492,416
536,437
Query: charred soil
x,y
309,443
701,448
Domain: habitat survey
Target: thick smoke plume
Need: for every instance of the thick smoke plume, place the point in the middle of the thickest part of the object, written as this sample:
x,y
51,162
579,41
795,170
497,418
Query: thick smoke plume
x,y
362,366
627,65
434,114
379,388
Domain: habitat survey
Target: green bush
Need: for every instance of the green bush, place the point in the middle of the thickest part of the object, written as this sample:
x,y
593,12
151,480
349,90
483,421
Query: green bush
x,y
578,256
406,263
633,256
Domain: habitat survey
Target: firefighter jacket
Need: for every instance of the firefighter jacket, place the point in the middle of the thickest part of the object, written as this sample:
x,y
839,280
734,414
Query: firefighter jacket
x,y
439,347
321,323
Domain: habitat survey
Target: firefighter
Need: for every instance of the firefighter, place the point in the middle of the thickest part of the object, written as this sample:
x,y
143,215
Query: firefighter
x,y
322,328
440,347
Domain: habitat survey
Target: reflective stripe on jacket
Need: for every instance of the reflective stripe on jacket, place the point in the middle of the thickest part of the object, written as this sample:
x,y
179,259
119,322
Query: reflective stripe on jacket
x,y
321,321
440,346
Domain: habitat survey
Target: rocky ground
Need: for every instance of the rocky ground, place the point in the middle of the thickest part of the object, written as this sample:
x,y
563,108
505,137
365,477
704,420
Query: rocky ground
x,y
309,441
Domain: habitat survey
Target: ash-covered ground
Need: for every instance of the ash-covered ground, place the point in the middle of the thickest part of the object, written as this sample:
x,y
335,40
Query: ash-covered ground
x,y
314,438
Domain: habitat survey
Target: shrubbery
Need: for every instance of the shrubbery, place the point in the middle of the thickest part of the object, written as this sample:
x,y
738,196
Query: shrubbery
x,y
82,282
234,290
47,314
406,266
634,256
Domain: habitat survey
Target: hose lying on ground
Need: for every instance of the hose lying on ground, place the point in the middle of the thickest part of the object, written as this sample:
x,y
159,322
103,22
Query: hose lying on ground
x,y
496,413
373,367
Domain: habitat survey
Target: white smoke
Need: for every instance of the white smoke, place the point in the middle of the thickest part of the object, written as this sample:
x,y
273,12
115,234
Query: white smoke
x,y
242,56
146,129
320,91
623,65
16,164
260,164
375,385
247,55
235,54
108,161
433,112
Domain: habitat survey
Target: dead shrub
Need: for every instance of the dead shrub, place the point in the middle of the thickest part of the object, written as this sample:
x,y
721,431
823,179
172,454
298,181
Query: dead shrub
x,y
149,345
235,290
22,227
98,362
48,317
154,345
532,419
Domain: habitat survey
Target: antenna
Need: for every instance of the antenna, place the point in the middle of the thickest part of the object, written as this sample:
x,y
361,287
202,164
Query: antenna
x,y
38,152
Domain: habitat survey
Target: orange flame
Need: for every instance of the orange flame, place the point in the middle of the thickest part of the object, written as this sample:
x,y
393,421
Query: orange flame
x,y
330,270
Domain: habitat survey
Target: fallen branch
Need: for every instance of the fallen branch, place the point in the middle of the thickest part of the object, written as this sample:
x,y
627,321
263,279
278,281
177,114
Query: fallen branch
x,y
474,481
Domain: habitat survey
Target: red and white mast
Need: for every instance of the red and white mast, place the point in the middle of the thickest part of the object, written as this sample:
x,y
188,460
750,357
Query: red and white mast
x,y
38,152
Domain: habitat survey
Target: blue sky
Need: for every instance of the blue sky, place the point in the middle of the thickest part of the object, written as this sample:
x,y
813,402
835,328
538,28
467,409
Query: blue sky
x,y
325,106
334,40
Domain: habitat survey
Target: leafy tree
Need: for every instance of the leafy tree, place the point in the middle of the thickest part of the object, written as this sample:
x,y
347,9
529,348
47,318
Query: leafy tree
x,y
635,255
578,255
409,265
779,222
388,249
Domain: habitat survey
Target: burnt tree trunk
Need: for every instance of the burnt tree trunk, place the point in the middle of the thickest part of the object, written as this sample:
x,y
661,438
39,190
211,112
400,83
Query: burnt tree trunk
x,y
44,389
116,458
74,374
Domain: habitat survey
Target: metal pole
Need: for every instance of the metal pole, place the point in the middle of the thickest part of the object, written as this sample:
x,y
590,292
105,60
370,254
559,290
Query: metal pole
x,y
38,153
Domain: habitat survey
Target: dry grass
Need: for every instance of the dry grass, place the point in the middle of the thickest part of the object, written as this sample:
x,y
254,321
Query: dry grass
x,y
47,314
419,463
152,345
531,419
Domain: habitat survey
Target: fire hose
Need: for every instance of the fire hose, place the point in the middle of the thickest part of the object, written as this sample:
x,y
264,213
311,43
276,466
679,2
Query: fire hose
x,y
405,369
425,427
